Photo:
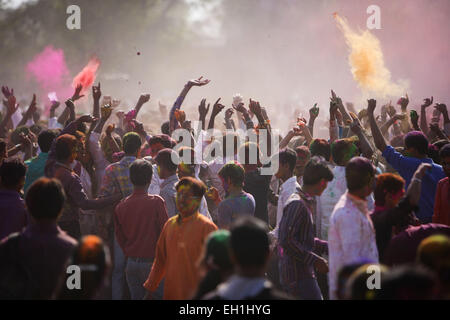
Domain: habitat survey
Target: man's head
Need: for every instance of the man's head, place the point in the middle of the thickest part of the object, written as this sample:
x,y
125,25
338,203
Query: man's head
x,y
356,287
287,159
141,172
249,244
92,256
189,195
45,199
186,167
416,144
303,156
12,174
167,161
317,175
165,128
45,140
131,144
320,147
232,174
66,148
444,155
360,174
343,150
159,142
389,190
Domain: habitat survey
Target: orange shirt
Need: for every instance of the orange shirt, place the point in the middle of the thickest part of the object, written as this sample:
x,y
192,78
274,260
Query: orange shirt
x,y
442,203
177,253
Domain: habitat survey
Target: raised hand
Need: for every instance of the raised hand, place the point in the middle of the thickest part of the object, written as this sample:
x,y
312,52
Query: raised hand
x,y
414,116
427,102
217,108
229,113
11,105
7,92
371,105
254,107
144,98
198,82
105,112
180,115
96,92
441,107
240,108
33,106
314,112
355,125
76,94
86,118
202,109
55,105
403,102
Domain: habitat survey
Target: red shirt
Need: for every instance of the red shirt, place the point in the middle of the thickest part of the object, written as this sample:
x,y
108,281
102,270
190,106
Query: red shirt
x,y
139,220
442,203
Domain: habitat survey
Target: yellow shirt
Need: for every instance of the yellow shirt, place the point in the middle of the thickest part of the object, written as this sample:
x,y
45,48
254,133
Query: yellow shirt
x,y
177,253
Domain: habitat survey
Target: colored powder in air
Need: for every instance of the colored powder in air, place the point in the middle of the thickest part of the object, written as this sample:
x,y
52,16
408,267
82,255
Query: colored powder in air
x,y
367,62
87,76
48,68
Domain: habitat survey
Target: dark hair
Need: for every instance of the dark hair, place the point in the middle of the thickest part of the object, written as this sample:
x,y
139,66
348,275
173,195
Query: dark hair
x,y
141,172
165,140
315,170
445,151
235,171
247,149
198,187
131,143
165,128
320,147
357,284
190,152
343,150
418,141
93,258
11,172
45,198
235,141
164,159
358,173
387,183
249,242
287,155
407,282
303,152
64,147
45,140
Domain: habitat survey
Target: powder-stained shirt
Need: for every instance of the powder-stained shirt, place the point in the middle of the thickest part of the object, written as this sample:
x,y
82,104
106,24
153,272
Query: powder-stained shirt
x,y
177,253
233,207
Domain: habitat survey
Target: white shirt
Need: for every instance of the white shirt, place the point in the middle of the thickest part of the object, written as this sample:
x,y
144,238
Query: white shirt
x,y
327,201
286,190
100,161
351,237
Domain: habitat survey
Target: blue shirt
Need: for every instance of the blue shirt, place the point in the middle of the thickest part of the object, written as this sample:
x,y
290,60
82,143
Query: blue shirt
x,y
35,169
406,166
233,207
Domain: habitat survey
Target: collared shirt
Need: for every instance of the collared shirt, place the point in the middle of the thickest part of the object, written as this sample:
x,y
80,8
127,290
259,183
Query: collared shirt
x,y
168,193
76,196
329,198
117,178
298,247
288,188
239,288
35,169
442,203
13,214
139,220
406,167
351,237
177,253
43,249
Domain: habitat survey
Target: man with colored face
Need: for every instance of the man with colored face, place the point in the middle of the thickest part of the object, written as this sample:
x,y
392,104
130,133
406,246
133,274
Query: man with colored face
x,y
391,208
180,245
442,200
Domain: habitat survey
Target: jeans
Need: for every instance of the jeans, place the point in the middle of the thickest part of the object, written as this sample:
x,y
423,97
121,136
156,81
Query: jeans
x,y
118,274
137,273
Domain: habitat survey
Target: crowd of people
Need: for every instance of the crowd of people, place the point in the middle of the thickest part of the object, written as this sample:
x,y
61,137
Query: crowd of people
x,y
145,215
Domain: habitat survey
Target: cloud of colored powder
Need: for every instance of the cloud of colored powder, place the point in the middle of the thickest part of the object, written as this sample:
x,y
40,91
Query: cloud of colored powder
x,y
87,76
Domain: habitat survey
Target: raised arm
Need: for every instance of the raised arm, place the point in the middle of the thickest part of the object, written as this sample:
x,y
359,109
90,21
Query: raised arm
x,y
202,112
96,95
29,113
378,138
217,107
313,114
177,105
423,114
366,148
11,108
242,110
